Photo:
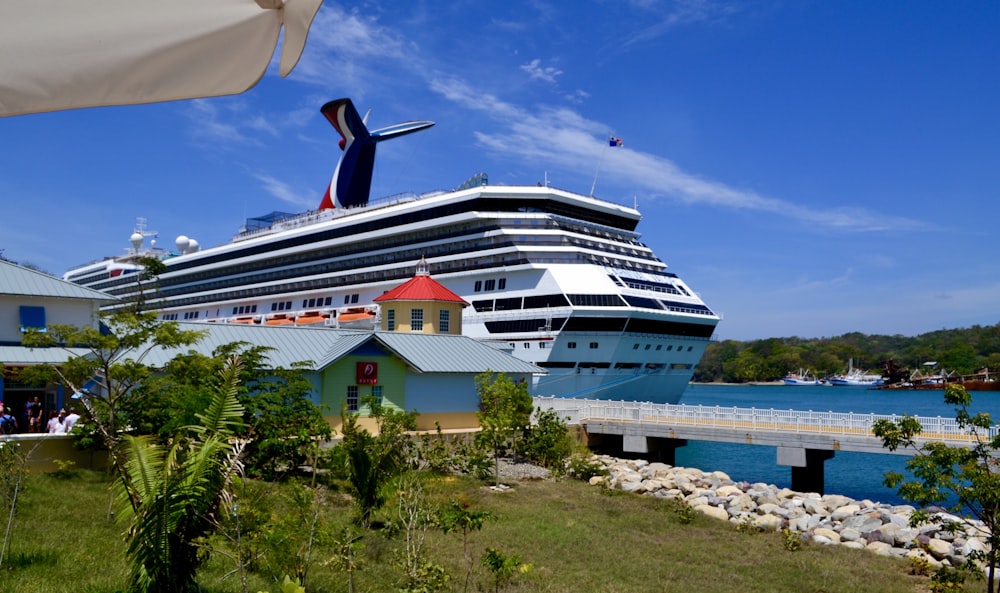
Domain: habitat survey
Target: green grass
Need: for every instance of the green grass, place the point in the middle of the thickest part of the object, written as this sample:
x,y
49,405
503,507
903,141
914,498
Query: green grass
x,y
578,539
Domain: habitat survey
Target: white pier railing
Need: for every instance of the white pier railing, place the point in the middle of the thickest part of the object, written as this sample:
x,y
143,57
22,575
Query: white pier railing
x,y
577,411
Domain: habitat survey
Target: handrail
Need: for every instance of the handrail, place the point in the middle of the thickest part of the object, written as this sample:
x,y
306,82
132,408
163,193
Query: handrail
x,y
770,420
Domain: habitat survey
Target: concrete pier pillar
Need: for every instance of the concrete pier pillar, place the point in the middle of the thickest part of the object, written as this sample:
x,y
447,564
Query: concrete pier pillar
x,y
807,467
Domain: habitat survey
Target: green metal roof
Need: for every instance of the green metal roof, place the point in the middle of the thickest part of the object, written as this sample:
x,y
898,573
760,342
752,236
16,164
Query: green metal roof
x,y
19,281
13,356
426,353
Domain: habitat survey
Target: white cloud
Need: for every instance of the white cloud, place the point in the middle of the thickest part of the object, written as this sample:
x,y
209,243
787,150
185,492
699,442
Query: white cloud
x,y
536,71
563,137
284,192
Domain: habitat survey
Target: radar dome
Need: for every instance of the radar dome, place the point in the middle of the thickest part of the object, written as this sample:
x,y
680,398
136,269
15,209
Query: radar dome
x,y
136,240
182,244
193,246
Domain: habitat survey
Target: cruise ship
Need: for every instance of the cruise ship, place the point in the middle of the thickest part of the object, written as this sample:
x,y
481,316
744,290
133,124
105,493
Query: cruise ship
x,y
560,279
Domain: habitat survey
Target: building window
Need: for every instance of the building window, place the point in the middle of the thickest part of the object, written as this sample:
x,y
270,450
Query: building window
x,y
417,320
377,393
527,345
444,321
502,283
490,284
648,346
352,398
593,345
571,345
543,345
354,299
479,286
390,320
659,346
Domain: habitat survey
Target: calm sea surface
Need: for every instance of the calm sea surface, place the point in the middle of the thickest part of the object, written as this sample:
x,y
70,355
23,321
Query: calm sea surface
x,y
857,475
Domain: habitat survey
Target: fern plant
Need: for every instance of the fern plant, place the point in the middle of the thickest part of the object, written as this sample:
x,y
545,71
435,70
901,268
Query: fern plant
x,y
171,494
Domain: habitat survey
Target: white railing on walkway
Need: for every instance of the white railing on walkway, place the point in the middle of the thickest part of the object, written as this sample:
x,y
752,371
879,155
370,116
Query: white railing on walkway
x,y
577,411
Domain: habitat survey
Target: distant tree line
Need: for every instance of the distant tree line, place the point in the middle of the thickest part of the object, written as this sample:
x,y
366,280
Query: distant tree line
x,y
962,351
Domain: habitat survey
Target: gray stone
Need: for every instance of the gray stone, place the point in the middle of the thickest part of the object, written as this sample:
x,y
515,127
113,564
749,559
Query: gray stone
x,y
842,512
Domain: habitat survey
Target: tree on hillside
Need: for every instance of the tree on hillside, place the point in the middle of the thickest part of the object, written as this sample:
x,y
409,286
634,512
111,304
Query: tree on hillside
x,y
965,480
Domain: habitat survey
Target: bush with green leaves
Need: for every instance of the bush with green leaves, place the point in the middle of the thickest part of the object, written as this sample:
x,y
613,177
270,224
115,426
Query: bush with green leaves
x,y
172,495
372,462
547,441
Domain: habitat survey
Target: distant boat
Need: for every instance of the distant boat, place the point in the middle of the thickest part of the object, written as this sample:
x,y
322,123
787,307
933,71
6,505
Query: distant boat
x,y
801,378
856,377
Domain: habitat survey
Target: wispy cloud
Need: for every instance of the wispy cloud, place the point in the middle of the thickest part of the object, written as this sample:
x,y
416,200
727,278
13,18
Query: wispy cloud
x,y
536,71
284,192
667,16
564,137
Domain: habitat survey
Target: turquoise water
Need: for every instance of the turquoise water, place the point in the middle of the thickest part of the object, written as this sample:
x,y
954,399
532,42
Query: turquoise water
x,y
857,475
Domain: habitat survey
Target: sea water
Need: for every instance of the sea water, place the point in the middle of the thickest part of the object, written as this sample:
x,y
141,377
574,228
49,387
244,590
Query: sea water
x,y
856,475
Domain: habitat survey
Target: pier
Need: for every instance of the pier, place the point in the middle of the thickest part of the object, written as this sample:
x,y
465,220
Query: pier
x,y
804,439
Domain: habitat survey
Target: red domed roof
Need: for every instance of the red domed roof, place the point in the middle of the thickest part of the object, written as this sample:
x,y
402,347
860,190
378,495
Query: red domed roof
x,y
421,288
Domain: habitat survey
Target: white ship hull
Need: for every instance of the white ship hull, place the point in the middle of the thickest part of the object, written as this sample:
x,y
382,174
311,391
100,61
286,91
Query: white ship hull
x,y
560,279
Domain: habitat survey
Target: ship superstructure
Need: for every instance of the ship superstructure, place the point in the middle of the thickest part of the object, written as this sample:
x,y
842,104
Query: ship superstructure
x,y
559,278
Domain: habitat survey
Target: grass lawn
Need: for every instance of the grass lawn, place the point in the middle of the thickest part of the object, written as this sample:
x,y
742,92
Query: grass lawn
x,y
577,538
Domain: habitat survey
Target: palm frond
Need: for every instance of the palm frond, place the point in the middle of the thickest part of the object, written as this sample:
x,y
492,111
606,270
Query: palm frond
x,y
224,413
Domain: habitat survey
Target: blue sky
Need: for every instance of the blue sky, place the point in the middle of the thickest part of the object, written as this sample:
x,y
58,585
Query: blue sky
x,y
810,168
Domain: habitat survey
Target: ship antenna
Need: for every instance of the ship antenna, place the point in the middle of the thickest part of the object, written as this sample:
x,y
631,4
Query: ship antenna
x,y
612,141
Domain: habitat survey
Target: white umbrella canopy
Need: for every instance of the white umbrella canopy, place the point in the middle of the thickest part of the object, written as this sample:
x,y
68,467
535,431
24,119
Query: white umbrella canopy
x,y
68,54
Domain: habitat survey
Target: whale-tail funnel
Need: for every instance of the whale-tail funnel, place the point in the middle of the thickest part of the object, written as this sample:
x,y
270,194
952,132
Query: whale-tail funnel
x,y
352,179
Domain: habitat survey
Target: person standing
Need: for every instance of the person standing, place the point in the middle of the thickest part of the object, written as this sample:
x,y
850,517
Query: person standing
x,y
8,424
35,410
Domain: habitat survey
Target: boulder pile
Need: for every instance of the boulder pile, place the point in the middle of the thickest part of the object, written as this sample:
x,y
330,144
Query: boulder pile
x,y
824,519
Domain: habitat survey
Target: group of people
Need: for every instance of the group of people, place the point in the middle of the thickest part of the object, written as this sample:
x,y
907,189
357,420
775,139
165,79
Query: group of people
x,y
32,420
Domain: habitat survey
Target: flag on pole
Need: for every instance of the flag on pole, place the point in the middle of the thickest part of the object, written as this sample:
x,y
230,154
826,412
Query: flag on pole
x,y
615,141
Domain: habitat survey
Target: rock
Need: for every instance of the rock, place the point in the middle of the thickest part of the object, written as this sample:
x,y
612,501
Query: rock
x,y
769,522
879,548
862,523
835,501
711,511
827,533
850,535
730,490
939,548
842,512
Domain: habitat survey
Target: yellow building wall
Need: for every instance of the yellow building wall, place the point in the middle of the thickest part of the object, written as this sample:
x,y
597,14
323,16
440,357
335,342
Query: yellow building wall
x,y
403,311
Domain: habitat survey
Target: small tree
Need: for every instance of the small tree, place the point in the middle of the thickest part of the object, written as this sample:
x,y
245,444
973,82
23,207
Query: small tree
x,y
13,469
372,462
108,374
504,408
965,480
459,517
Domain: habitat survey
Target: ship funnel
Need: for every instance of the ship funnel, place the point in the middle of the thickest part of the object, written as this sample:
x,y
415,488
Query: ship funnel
x,y
352,179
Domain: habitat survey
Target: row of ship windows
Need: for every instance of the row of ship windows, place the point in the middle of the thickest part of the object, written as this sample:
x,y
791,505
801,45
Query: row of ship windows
x,y
508,259
652,366
660,347
491,284
348,262
596,345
